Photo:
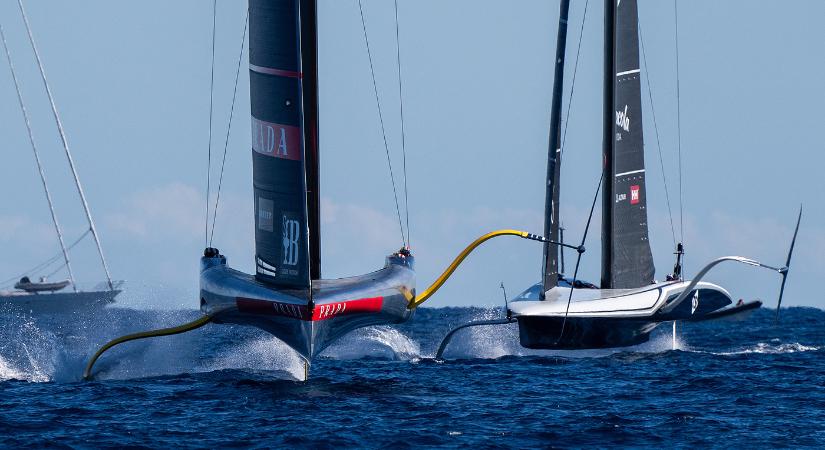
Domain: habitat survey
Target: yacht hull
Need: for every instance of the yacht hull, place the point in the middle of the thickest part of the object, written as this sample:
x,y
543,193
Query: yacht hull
x,y
56,303
338,306
600,319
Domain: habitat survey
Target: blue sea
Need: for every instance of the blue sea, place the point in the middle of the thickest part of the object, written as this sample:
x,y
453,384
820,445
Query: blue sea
x,y
727,384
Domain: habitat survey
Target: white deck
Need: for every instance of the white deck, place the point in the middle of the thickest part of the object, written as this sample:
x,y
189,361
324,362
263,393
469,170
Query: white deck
x,y
617,303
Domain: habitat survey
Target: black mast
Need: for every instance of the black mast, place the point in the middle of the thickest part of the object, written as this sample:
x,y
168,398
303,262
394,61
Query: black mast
x,y
284,98
627,261
309,62
550,269
607,145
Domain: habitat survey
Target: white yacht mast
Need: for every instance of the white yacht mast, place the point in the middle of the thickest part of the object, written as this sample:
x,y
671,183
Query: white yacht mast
x,y
37,159
66,147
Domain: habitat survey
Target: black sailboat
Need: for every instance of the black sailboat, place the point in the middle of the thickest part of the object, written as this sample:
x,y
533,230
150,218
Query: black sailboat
x,y
566,313
287,296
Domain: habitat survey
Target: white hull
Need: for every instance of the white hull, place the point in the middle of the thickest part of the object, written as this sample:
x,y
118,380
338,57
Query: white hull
x,y
56,303
616,303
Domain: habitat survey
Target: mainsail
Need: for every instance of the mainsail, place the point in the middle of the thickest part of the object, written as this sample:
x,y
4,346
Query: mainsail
x,y
283,92
627,261
550,269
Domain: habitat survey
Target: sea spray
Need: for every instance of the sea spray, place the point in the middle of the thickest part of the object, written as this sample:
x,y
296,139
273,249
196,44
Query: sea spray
x,y
257,353
485,342
382,342
9,372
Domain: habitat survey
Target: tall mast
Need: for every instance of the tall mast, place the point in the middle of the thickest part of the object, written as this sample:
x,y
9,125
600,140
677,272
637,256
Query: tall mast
x,y
309,67
550,269
607,144
627,261
284,96
37,159
66,148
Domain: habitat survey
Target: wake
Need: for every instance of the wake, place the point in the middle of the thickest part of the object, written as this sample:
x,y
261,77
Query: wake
x,y
38,350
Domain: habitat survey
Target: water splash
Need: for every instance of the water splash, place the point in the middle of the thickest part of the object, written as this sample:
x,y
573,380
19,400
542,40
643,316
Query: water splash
x,y
377,342
485,342
265,353
9,372
28,352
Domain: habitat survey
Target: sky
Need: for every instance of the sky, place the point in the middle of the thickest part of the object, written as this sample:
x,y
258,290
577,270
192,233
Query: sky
x,y
132,84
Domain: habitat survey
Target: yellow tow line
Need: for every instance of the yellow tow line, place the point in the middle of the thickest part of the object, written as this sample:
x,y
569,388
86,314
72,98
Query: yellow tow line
x,y
419,299
201,321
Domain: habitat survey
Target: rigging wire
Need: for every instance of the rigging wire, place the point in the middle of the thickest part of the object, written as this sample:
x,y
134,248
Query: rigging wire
x,y
656,128
65,142
57,228
209,151
580,249
45,264
229,128
403,135
381,120
679,122
573,80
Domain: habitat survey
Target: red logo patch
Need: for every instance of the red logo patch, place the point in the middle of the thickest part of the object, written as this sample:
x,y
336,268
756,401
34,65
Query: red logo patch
x,y
301,312
634,194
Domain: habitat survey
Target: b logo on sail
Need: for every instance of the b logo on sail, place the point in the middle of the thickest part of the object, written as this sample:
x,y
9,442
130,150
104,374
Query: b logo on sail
x,y
291,233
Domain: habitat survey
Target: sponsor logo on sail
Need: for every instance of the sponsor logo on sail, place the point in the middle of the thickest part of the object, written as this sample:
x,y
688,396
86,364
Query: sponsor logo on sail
x,y
291,229
272,139
265,214
623,120
621,197
634,194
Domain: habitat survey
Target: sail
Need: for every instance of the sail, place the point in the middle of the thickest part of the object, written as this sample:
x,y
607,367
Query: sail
x,y
627,261
283,94
550,268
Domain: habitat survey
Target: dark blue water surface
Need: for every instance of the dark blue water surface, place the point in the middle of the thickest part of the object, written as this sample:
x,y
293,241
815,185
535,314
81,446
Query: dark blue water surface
x,y
729,384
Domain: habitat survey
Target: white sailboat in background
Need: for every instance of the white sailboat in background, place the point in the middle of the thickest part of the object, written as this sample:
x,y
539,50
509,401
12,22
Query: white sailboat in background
x,y
43,296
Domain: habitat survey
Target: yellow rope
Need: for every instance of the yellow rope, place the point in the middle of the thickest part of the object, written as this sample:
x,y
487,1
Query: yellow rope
x,y
87,374
419,299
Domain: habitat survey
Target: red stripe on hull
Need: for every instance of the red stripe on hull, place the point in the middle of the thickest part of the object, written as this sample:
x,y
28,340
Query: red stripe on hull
x,y
300,312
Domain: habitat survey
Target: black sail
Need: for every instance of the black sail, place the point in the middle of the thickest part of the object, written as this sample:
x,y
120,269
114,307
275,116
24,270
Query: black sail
x,y
550,269
283,93
627,261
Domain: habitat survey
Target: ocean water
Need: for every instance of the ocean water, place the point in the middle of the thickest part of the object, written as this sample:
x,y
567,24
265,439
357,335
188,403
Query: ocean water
x,y
727,384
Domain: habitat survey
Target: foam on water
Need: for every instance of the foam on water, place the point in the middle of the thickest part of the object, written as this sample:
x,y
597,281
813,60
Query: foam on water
x,y
772,349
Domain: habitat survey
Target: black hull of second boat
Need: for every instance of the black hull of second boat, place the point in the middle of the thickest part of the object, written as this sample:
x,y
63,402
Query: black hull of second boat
x,y
599,319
